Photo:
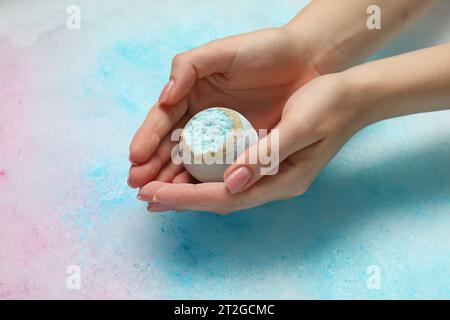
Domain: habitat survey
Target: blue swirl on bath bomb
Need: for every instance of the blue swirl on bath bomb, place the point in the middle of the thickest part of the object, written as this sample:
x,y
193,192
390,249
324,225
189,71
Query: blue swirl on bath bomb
x,y
207,131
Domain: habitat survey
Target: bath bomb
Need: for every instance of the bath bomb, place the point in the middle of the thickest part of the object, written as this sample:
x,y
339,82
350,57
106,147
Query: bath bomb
x,y
212,140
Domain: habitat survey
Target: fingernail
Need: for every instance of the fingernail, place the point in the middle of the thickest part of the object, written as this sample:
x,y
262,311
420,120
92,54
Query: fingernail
x,y
139,197
165,93
238,179
157,201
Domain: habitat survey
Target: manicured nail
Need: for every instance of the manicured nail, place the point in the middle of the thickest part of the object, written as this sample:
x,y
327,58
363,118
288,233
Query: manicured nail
x,y
165,93
157,201
139,197
238,179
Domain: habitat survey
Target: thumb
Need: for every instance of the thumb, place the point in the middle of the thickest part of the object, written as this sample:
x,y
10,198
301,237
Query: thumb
x,y
264,157
187,67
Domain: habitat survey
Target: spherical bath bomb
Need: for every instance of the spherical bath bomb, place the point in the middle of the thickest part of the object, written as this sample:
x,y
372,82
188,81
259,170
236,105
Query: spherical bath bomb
x,y
212,140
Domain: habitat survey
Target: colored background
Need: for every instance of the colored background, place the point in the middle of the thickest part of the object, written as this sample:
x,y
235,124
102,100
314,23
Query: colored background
x,y
70,101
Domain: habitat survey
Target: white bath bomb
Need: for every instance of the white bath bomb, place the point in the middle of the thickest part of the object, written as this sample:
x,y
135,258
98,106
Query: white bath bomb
x,y
212,140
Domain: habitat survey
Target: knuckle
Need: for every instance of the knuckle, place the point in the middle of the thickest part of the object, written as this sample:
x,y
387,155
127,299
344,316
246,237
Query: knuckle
x,y
297,191
178,59
300,190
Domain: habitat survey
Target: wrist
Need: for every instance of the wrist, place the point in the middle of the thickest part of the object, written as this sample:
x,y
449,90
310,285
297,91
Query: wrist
x,y
380,89
401,85
338,33
364,95
320,56
355,99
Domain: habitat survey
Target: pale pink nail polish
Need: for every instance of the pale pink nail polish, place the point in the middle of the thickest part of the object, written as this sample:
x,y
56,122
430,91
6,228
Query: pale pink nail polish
x,y
238,179
157,201
165,93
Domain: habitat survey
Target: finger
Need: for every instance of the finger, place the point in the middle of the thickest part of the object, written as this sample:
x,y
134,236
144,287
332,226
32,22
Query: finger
x,y
264,157
142,174
169,172
295,175
156,126
199,197
187,67
214,196
147,192
184,177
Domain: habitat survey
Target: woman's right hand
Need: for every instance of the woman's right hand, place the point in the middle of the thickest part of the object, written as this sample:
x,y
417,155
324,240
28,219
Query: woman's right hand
x,y
254,73
316,121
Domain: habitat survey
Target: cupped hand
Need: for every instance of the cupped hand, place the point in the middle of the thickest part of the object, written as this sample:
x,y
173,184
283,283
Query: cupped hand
x,y
254,73
316,121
